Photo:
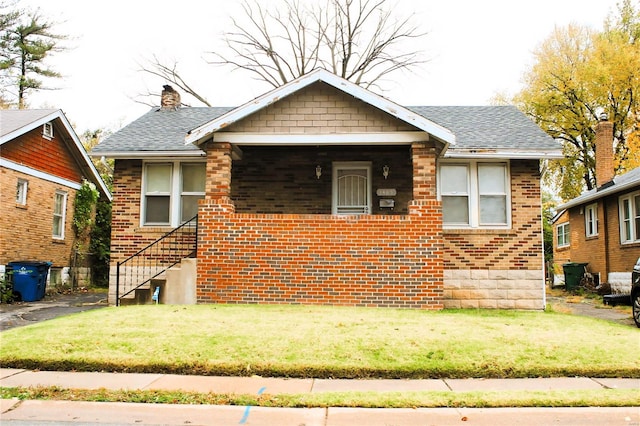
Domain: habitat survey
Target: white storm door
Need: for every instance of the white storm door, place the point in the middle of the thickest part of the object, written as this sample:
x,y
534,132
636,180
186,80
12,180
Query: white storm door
x,y
351,188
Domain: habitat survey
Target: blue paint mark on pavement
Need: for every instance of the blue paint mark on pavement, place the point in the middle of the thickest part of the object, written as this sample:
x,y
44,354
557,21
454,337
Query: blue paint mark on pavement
x,y
245,417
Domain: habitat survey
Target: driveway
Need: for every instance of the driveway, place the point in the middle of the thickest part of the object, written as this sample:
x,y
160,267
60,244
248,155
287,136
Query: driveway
x,y
51,306
590,308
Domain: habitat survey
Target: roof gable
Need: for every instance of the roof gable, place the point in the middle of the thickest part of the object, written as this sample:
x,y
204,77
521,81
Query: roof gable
x,y
15,123
199,134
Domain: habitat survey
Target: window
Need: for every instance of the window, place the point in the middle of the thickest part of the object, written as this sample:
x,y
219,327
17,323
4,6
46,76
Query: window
x,y
591,220
21,192
192,189
351,188
47,130
562,232
171,192
475,194
630,218
59,213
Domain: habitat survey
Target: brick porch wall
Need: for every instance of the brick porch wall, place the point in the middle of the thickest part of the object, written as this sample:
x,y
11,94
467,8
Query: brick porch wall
x,y
320,259
363,260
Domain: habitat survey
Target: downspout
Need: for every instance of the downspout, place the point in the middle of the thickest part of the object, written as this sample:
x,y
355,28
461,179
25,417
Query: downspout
x,y
606,240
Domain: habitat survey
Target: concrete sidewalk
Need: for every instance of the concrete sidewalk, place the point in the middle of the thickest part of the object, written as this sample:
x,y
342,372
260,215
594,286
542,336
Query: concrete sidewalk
x,y
66,412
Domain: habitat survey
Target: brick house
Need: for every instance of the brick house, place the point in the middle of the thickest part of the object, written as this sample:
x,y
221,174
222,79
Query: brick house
x,y
322,192
601,227
42,166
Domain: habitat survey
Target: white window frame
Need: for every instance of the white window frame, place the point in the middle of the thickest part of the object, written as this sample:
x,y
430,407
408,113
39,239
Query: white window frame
x,y
358,165
21,192
629,219
60,216
591,220
47,130
567,234
175,193
474,194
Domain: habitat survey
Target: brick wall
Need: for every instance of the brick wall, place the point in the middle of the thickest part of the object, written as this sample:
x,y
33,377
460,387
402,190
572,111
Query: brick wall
x,y
127,236
316,259
49,156
604,253
500,268
276,180
26,231
366,260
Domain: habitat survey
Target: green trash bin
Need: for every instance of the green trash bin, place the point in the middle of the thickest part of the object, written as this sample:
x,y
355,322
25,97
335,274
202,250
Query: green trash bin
x,y
573,273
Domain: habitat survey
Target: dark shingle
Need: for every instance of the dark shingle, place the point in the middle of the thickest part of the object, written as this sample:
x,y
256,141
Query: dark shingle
x,y
159,130
475,127
486,127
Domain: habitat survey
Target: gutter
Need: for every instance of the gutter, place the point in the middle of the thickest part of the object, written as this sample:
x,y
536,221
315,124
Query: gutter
x,y
599,194
138,155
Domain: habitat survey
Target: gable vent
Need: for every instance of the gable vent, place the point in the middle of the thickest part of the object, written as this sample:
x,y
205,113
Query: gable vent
x,y
47,130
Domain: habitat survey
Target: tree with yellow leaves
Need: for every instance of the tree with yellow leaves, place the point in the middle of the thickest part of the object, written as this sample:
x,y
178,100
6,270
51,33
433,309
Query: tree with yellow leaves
x,y
579,74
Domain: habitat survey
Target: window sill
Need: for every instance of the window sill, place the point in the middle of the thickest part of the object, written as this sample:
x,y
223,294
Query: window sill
x,y
481,231
21,206
563,248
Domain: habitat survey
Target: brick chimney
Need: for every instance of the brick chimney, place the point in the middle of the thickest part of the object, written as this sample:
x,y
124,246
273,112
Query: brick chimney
x,y
170,98
604,151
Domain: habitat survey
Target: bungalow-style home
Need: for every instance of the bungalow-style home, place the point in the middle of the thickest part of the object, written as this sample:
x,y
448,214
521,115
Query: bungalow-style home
x,y
42,166
321,192
601,227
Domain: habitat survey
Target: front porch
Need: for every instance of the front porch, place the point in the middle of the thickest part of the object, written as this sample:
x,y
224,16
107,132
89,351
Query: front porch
x,y
267,233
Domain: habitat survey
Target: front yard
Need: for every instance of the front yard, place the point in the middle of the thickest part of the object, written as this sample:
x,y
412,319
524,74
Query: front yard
x,y
307,341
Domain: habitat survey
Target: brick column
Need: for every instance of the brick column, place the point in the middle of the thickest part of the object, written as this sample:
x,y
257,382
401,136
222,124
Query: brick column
x,y
424,171
218,170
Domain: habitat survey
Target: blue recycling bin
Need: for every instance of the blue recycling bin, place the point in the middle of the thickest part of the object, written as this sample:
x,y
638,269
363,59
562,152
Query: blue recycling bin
x,y
29,279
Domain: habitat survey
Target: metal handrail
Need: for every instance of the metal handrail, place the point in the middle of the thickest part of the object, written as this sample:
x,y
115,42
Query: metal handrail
x,y
154,259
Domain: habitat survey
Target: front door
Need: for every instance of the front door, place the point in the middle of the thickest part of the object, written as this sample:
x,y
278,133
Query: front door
x,y
351,188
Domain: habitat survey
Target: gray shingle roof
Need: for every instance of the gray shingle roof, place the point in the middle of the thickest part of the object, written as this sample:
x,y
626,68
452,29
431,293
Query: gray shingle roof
x,y
628,181
15,119
475,127
487,127
159,130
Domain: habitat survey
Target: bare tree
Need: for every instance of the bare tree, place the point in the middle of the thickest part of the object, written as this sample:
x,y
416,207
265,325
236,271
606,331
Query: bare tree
x,y
168,73
359,40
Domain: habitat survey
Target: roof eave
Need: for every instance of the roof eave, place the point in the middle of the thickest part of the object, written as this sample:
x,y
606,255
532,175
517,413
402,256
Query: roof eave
x,y
142,155
599,194
551,154
30,126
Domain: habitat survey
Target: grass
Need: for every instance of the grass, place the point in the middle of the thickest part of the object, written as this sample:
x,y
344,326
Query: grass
x,y
325,342
582,398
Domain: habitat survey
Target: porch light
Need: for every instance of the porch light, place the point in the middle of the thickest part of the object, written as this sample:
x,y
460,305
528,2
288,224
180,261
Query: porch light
x,y
385,171
318,171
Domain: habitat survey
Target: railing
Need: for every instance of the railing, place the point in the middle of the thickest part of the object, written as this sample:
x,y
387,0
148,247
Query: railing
x,y
145,265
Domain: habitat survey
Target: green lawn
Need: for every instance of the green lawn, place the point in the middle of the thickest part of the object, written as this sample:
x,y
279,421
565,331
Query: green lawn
x,y
318,341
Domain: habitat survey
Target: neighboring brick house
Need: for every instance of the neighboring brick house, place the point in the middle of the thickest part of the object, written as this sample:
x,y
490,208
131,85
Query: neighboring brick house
x,y
322,192
601,227
42,166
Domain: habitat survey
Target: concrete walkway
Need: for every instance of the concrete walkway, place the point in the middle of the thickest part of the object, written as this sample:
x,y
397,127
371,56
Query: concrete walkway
x,y
94,413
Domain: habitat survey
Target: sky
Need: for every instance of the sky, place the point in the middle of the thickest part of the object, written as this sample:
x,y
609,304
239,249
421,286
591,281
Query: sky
x,y
475,49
